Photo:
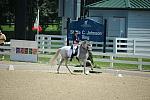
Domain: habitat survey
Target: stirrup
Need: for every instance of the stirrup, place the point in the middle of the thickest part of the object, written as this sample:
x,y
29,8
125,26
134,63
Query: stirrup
x,y
70,59
71,46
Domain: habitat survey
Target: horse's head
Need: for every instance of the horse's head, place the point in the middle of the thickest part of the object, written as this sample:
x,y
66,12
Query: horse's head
x,y
86,45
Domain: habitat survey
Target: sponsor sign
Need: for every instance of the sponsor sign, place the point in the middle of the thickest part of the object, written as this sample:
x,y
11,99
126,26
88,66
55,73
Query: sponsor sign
x,y
87,30
23,50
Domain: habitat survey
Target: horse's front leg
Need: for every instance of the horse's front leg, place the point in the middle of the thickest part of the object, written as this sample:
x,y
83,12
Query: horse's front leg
x,y
84,65
67,65
60,65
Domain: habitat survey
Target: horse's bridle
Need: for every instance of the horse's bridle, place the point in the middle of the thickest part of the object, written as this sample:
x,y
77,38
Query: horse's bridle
x,y
87,47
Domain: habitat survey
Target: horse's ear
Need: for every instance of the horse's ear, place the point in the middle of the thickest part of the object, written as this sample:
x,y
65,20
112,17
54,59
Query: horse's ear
x,y
86,42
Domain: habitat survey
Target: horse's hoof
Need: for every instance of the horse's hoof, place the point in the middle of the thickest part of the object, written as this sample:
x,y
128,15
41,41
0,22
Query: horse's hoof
x,y
73,74
57,72
85,73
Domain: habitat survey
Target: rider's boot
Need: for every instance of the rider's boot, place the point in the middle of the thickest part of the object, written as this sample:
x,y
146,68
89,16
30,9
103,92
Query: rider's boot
x,y
71,57
72,53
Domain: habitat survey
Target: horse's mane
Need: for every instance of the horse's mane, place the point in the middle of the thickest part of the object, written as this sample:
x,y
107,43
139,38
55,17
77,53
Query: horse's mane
x,y
84,44
83,50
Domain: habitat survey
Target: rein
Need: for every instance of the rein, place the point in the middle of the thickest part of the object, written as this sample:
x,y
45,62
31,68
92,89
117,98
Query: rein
x,y
86,48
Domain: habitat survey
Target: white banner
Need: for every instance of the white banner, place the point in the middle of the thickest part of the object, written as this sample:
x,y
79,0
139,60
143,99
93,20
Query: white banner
x,y
23,50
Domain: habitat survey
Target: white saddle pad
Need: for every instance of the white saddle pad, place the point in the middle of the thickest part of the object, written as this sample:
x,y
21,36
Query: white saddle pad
x,y
67,50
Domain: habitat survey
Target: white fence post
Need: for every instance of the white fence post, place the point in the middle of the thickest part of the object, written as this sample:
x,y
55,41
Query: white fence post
x,y
115,45
43,43
111,63
134,45
50,42
140,64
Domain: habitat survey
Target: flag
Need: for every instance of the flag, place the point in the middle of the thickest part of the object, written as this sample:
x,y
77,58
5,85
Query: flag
x,y
36,24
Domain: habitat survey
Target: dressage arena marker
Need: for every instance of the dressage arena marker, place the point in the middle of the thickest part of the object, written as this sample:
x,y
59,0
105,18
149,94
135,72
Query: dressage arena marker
x,y
87,72
120,75
11,67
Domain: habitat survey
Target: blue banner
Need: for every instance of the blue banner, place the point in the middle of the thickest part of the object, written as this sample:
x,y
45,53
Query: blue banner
x,y
88,30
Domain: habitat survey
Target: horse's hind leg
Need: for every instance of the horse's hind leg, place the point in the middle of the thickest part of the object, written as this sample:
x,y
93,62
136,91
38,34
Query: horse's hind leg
x,y
78,59
59,65
90,64
67,65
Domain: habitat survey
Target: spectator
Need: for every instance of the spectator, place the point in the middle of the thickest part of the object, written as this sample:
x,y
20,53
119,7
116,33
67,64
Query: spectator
x,y
2,39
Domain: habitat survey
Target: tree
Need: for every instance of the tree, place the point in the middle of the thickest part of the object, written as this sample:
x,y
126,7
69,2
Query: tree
x,y
30,8
48,11
7,10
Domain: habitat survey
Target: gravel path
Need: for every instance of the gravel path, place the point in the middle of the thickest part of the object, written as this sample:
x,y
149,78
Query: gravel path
x,y
37,85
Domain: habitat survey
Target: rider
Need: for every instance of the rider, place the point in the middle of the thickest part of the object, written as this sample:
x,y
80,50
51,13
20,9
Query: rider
x,y
74,47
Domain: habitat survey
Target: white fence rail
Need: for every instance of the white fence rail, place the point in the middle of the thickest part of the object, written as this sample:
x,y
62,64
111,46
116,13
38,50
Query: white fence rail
x,y
6,49
132,46
99,46
49,43
124,46
139,62
115,47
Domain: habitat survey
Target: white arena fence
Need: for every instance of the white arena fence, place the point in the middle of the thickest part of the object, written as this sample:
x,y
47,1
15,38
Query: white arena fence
x,y
7,49
135,46
110,58
49,43
115,47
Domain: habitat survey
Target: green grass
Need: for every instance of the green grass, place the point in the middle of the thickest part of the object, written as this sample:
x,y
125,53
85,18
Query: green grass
x,y
146,67
125,58
54,27
56,43
101,64
43,60
116,65
146,59
7,27
6,58
125,66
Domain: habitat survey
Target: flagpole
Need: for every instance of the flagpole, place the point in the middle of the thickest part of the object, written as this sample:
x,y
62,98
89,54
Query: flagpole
x,y
38,28
37,35
38,25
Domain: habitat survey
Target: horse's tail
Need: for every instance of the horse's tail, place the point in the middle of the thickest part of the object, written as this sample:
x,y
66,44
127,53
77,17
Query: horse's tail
x,y
55,56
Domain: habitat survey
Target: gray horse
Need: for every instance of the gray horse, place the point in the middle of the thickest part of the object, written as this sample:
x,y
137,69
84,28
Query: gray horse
x,y
82,55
